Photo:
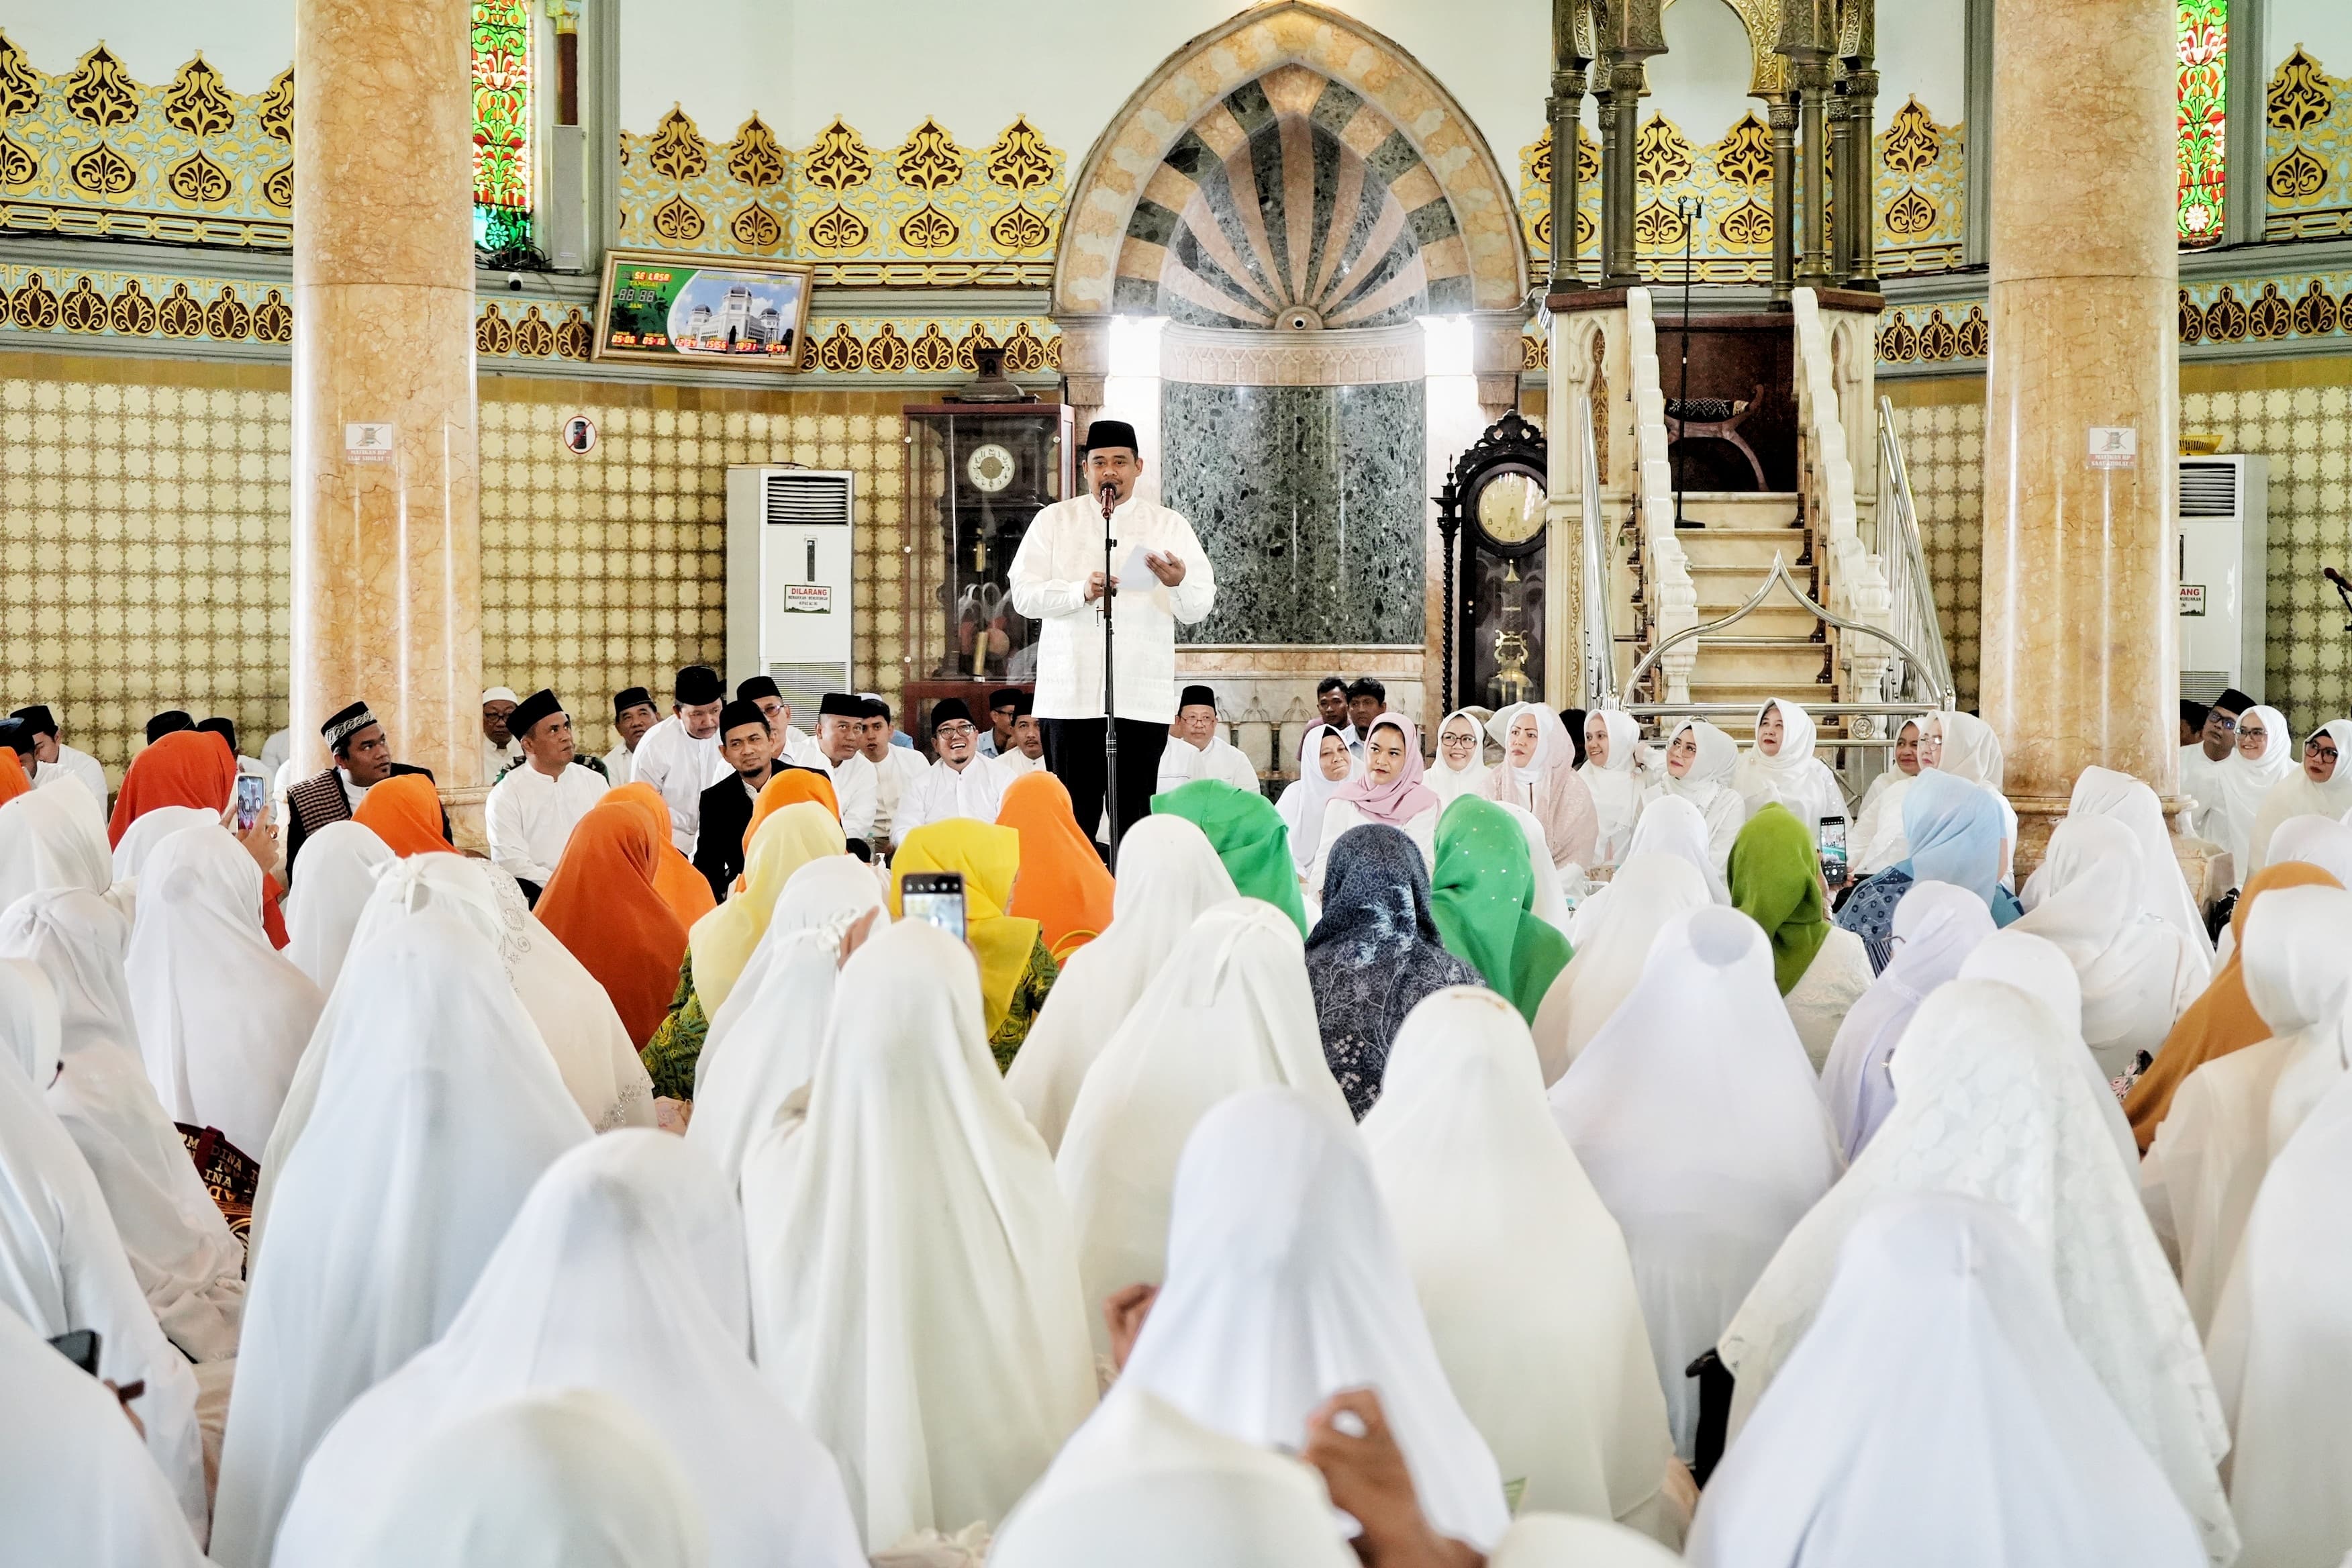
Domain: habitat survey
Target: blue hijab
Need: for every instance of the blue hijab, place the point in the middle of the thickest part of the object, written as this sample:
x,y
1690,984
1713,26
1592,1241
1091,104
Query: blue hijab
x,y
1954,828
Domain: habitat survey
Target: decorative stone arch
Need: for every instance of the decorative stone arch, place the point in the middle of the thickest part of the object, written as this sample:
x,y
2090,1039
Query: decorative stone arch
x,y
1197,78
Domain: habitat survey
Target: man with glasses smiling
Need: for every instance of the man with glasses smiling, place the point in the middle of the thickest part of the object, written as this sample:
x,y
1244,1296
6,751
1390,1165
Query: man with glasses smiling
x,y
963,783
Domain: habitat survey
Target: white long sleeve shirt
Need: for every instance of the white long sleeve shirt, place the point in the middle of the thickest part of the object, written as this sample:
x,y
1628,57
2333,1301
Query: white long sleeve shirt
x,y
79,766
943,792
680,768
1180,762
620,767
854,791
1064,544
530,818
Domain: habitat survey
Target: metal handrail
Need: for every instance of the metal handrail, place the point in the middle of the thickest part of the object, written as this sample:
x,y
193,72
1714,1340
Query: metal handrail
x,y
1599,630
1915,599
1941,698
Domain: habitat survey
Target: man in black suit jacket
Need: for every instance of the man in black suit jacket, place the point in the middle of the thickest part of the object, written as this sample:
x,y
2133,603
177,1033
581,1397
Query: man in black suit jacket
x,y
749,743
362,756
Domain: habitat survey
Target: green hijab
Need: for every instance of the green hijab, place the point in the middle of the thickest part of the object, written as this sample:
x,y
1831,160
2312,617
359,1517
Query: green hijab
x,y
1776,881
1248,836
1483,895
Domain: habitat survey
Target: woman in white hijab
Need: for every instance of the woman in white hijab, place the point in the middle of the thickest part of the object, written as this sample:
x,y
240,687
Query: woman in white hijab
x,y
914,1287
1936,926
1964,746
2138,971
1520,1271
1700,759
1230,1010
45,841
1878,841
1991,1105
435,1110
189,1265
2040,970
2262,757
340,863
61,1259
148,832
2318,841
775,1050
2163,890
1168,874
222,1015
623,1274
1781,766
2322,787
1460,767
1144,1485
1938,1412
1286,1285
549,1480
828,895
1699,1120
1611,769
2232,1116
575,1018
1324,765
75,1486
2279,1352
1537,773
1649,890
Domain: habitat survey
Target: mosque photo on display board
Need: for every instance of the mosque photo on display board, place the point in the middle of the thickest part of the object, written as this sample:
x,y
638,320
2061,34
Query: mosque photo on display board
x,y
671,308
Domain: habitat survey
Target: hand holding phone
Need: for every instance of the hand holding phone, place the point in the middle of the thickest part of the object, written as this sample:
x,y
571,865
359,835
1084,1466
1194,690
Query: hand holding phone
x,y
934,898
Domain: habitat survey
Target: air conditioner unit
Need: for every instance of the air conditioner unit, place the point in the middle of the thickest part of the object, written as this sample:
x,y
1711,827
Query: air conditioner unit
x,y
2224,547
788,580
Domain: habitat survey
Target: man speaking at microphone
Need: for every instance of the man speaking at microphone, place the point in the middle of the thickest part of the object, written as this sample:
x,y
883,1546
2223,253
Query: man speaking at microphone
x,y
1057,579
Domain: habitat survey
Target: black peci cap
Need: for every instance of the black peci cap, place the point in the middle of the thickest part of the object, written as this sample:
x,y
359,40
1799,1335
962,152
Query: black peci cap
x,y
698,684
540,704
741,711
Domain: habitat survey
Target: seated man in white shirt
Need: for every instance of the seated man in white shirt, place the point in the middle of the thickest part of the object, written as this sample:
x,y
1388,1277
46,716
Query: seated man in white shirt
x,y
963,783
53,759
500,752
679,756
841,725
532,810
897,769
793,748
1027,753
1197,749
633,714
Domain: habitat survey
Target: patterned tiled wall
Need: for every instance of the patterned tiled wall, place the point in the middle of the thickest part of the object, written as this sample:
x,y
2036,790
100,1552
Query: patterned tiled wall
x,y
144,529
609,570
144,505
1942,425
2298,413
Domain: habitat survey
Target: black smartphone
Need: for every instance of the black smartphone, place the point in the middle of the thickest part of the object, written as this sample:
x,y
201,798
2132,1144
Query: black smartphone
x,y
935,897
79,1347
252,796
1833,862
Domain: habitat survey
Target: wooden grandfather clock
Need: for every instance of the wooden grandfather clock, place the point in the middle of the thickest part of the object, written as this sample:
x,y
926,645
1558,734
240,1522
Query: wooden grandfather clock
x,y
977,468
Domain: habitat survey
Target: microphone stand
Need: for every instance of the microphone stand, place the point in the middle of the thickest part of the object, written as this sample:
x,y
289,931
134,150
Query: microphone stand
x,y
1111,706
2337,578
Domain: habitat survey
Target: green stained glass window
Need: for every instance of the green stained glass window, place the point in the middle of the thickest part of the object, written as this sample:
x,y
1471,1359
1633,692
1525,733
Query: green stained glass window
x,y
2203,100
502,152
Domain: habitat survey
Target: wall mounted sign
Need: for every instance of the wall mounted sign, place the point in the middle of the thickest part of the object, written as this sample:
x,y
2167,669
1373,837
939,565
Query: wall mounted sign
x,y
370,443
2113,446
2192,598
676,309
579,435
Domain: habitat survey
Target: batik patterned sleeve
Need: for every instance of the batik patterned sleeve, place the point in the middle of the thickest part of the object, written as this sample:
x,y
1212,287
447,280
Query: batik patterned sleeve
x,y
1029,994
669,1057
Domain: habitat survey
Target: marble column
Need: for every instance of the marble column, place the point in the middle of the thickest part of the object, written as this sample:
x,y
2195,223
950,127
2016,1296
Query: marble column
x,y
2079,659
387,601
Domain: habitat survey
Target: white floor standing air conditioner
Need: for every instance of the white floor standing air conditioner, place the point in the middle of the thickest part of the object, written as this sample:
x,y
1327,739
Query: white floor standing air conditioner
x,y
788,580
2225,567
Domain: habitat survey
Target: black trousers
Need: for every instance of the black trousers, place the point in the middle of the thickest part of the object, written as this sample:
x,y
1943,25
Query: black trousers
x,y
1074,753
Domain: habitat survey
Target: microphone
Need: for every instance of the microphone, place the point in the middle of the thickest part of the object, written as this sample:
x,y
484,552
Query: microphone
x,y
1109,496
2333,575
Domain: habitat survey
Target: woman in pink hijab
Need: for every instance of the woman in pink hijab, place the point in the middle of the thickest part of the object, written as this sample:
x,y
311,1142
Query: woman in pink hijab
x,y
1387,789
1538,775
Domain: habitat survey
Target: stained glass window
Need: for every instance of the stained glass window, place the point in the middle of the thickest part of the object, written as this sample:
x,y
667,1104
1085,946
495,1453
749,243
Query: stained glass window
x,y
502,122
2203,98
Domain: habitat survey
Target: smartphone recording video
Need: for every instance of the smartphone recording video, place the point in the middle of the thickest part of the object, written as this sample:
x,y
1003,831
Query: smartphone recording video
x,y
934,898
